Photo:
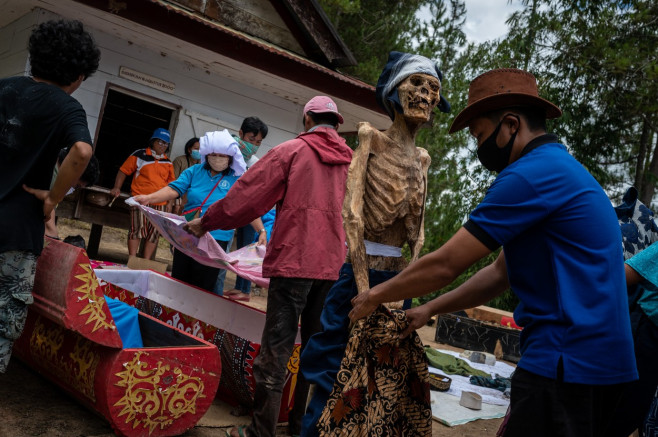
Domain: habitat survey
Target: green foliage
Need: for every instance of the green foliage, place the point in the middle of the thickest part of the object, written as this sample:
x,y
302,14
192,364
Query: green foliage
x,y
456,181
373,28
598,61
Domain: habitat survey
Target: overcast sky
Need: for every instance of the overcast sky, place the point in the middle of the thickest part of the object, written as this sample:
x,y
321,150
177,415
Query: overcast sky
x,y
485,19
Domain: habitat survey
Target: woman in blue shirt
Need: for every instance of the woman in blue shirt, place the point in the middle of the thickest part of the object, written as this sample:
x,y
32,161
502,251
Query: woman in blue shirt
x,y
205,183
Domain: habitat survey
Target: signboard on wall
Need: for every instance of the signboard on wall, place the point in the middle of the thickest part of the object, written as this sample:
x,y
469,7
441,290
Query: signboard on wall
x,y
147,79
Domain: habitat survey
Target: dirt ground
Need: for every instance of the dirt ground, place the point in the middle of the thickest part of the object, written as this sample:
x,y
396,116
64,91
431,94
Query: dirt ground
x,y
31,405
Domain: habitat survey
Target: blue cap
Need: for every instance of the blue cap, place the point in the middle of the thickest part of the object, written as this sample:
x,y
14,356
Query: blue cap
x,y
161,134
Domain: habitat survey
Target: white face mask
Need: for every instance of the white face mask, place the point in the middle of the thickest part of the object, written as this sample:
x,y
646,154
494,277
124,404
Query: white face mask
x,y
218,163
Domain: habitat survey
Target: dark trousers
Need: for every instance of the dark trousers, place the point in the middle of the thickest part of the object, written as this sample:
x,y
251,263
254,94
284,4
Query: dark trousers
x,y
188,270
244,237
650,426
545,407
638,395
288,299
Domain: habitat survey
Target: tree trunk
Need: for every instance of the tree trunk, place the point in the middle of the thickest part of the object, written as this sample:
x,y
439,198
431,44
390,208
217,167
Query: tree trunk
x,y
530,38
650,176
641,156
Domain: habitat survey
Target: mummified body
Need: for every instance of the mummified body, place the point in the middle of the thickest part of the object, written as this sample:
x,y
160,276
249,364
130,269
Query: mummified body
x,y
383,209
387,183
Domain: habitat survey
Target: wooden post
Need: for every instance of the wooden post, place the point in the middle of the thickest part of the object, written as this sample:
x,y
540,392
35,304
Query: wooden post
x,y
94,240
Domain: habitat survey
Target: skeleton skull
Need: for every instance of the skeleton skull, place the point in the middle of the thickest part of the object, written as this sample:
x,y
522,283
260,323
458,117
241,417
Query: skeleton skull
x,y
419,95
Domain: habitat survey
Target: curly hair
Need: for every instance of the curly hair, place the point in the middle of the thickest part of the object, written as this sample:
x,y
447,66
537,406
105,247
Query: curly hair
x,y
61,51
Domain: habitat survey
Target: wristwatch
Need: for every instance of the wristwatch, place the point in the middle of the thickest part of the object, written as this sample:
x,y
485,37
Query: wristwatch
x,y
262,230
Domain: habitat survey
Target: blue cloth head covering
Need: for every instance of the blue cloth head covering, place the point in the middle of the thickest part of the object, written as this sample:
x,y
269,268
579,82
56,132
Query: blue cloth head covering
x,y
398,68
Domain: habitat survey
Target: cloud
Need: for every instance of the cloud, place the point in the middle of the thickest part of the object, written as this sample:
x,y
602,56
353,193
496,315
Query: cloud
x,y
485,19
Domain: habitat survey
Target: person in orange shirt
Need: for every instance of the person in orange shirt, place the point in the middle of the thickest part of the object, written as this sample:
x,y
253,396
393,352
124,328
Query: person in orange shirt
x,y
151,170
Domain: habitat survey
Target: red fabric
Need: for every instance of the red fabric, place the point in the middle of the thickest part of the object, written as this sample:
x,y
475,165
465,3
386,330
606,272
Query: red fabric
x,y
305,179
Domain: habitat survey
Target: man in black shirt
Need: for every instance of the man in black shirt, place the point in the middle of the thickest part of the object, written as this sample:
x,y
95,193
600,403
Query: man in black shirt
x,y
38,117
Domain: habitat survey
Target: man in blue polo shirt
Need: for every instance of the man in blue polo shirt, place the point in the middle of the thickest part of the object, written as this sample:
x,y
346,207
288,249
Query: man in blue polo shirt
x,y
562,257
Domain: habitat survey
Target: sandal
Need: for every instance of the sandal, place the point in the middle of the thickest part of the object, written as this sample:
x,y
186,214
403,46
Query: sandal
x,y
232,291
244,297
239,429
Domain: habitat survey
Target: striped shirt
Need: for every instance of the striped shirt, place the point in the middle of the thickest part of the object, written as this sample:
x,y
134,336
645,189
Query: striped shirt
x,y
149,174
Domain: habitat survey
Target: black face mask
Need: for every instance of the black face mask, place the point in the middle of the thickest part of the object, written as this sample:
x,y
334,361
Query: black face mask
x,y
493,157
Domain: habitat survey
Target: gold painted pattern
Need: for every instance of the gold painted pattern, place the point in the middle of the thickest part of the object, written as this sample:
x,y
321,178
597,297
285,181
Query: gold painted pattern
x,y
82,368
79,372
46,343
156,394
94,306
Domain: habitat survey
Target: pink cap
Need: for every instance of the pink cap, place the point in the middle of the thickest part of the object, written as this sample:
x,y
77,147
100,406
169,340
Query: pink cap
x,y
320,104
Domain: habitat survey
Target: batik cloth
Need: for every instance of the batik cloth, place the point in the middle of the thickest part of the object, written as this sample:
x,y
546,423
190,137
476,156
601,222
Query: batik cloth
x,y
17,270
639,229
382,387
638,225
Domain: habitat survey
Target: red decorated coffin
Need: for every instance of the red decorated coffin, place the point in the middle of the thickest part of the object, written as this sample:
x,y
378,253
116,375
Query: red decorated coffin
x,y
160,389
235,328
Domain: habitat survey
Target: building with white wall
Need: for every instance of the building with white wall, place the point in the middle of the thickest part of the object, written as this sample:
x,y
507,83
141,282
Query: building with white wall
x,y
193,66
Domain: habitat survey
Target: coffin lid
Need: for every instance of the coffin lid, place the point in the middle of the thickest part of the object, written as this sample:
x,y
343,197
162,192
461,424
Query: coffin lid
x,y
66,290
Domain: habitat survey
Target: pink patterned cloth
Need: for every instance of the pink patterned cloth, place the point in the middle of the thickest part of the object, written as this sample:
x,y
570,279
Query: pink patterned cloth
x,y
246,262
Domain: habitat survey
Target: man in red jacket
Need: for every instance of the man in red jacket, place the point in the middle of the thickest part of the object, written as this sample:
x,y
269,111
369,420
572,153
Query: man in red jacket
x,y
305,179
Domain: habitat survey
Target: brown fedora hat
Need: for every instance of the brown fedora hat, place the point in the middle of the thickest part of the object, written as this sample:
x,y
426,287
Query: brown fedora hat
x,y
498,89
